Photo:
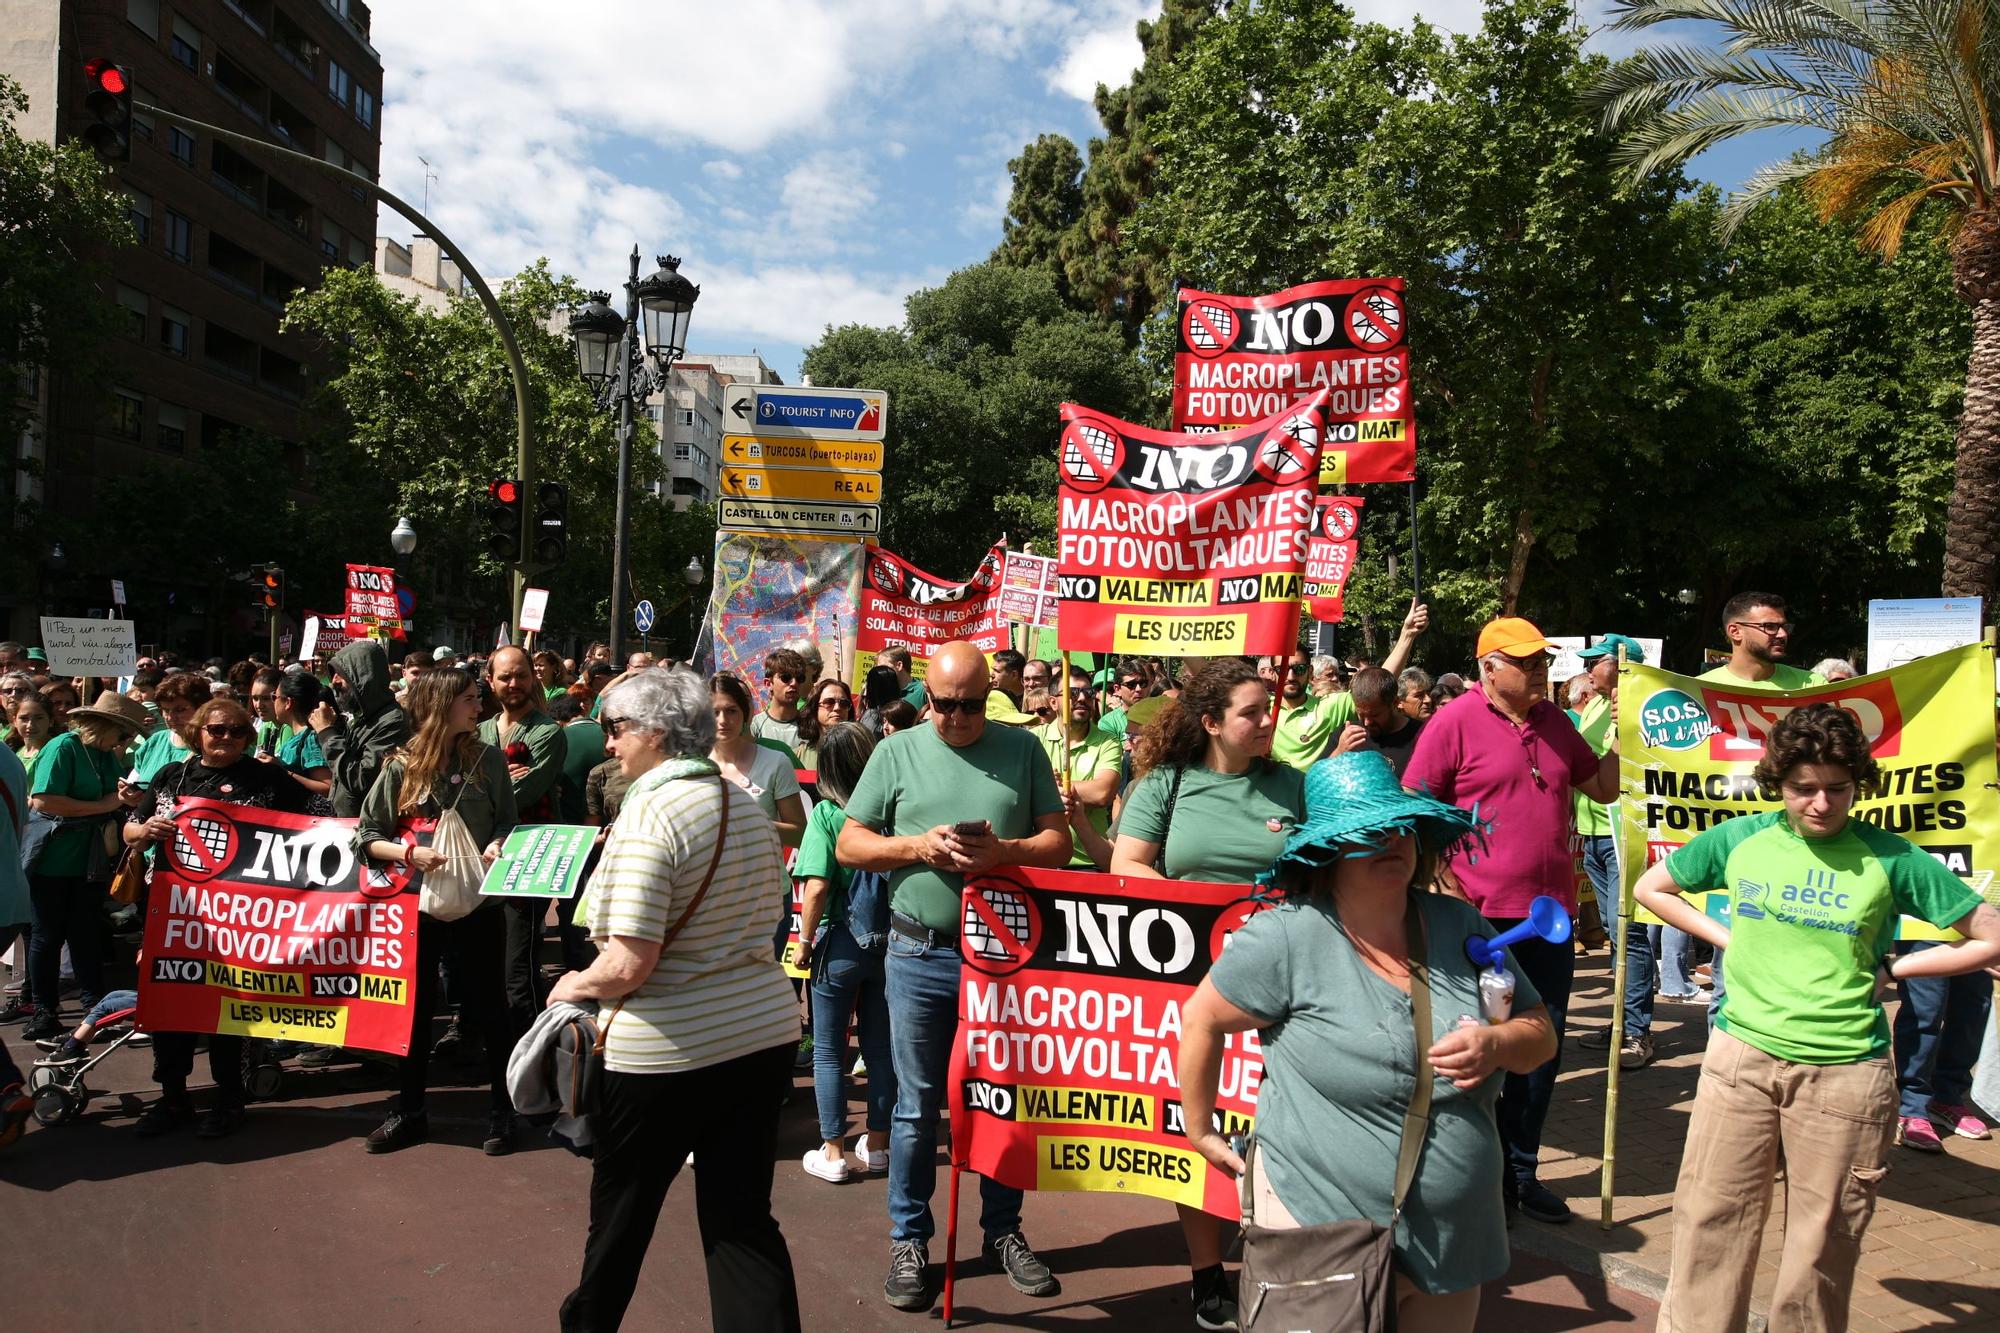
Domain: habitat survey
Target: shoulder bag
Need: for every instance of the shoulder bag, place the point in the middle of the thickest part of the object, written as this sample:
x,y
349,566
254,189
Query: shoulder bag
x,y
452,890
580,1093
1339,1277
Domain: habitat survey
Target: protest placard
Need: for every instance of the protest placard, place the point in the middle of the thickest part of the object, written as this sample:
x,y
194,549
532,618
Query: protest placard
x,y
539,861
372,610
1904,629
1184,545
1688,748
89,647
1239,359
902,604
262,924
1063,1072
1028,589
1336,523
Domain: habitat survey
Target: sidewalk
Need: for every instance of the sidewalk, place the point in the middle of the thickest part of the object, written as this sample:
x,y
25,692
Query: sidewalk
x,y
1931,1258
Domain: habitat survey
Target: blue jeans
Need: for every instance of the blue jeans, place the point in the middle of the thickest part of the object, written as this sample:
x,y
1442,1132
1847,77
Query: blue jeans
x,y
1715,980
923,997
1674,948
111,1004
847,980
1600,862
1939,1026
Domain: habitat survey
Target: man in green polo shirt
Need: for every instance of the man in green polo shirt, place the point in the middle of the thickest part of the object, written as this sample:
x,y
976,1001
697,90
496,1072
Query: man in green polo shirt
x,y
1309,726
951,799
1760,637
1086,758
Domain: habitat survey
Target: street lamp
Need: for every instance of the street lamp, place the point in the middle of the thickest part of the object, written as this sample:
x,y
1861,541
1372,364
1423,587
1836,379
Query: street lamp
x,y
402,537
694,574
609,358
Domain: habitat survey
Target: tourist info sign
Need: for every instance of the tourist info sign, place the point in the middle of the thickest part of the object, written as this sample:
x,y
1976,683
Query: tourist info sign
x,y
833,414
806,451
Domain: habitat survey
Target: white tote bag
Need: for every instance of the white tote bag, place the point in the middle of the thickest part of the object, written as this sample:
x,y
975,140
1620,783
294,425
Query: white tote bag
x,y
452,889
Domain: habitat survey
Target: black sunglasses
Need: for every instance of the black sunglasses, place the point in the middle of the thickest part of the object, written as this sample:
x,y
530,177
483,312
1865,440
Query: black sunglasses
x,y
940,704
217,731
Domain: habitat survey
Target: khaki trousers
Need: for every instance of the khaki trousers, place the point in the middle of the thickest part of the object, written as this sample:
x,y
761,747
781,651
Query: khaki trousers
x,y
1830,1125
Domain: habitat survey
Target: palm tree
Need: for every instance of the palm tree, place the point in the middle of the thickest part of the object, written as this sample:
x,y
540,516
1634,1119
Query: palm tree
x,y
1903,91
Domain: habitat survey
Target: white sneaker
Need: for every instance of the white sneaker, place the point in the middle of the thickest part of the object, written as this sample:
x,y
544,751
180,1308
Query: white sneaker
x,y
868,1159
816,1164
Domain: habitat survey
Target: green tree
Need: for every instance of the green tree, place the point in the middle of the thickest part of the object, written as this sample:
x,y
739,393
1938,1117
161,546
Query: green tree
x,y
975,378
425,401
1044,209
1904,92
59,217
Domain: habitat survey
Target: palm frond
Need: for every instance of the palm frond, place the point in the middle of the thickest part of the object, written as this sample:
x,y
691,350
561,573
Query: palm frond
x,y
1883,232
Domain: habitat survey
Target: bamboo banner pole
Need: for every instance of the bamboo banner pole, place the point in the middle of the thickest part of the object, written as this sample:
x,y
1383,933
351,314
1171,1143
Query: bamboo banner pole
x,y
1607,1182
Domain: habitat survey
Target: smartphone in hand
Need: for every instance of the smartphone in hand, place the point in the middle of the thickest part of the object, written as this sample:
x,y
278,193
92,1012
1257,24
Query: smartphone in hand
x,y
972,828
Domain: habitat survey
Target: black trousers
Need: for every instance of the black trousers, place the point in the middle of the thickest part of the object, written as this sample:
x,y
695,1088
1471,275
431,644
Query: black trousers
x,y
68,910
646,1124
173,1061
523,958
1524,1098
477,945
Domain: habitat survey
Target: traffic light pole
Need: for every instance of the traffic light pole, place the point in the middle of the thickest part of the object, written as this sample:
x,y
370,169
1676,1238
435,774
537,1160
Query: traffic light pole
x,y
621,554
524,431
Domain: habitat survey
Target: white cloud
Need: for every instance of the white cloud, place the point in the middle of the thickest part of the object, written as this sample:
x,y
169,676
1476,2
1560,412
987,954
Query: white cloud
x,y
1106,55
824,195
794,304
983,216
723,169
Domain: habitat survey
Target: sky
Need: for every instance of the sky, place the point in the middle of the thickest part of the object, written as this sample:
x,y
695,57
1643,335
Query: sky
x,y
811,162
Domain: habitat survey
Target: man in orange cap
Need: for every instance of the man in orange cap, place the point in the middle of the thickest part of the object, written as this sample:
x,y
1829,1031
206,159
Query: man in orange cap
x,y
1505,750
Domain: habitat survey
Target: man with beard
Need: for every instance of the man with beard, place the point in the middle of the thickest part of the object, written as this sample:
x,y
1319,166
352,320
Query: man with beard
x,y
368,725
1308,725
1387,727
1086,758
535,747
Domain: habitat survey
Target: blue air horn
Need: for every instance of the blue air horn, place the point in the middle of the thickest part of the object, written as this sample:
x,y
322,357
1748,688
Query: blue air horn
x,y
1547,919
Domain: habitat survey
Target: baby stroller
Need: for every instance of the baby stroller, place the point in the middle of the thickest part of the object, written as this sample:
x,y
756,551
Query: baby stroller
x,y
60,1093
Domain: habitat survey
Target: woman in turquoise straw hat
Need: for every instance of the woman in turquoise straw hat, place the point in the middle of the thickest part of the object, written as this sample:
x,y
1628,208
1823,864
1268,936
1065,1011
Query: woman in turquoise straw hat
x,y
1326,979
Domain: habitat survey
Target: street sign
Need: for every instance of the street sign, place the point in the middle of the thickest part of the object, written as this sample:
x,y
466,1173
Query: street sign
x,y
798,516
803,451
642,617
842,414
751,483
118,592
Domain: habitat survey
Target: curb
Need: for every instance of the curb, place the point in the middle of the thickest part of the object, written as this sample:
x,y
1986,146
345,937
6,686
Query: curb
x,y
1553,1244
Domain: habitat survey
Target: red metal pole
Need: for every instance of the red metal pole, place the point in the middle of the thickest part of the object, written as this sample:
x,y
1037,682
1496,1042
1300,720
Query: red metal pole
x,y
951,1244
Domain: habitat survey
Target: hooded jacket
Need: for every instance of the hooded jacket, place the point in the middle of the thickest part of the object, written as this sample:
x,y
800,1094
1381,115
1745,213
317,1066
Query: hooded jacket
x,y
356,746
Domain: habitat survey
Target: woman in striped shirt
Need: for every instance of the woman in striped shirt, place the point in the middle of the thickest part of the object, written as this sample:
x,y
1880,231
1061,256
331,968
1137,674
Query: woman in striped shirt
x,y
698,1017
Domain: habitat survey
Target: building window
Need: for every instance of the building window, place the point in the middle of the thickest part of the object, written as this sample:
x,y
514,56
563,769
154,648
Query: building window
x,y
357,254
680,453
128,413
171,431
185,45
687,417
179,237
181,144
329,239
339,83
134,303
174,326
139,212
364,107
145,16
142,124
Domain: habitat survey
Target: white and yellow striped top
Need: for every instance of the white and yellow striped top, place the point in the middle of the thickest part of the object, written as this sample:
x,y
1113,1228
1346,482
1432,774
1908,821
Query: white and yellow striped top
x,y
717,993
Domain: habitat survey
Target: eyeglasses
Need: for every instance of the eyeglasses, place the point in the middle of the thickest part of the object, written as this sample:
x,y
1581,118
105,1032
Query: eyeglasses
x,y
1298,668
785,676
1083,692
1131,685
969,707
1772,627
614,727
216,731
835,702
1529,665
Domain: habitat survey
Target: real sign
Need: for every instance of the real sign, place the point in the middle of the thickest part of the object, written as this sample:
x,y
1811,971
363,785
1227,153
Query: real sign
x,y
751,483
845,414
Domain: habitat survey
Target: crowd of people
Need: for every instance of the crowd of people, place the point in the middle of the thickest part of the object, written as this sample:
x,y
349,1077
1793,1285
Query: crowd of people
x,y
1390,813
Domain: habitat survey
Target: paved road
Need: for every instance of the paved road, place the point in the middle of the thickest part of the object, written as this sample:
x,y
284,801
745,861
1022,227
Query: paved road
x,y
291,1224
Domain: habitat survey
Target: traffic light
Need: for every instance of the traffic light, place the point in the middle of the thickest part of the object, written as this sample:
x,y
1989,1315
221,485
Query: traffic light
x,y
107,102
503,520
271,592
551,520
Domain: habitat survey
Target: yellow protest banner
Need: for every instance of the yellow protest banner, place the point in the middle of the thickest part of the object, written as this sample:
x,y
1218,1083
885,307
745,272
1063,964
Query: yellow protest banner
x,y
1687,749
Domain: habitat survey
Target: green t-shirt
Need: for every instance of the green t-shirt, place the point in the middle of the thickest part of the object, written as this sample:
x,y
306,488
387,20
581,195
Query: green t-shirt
x,y
1339,1065
155,752
300,753
815,857
68,767
767,728
916,782
1593,723
1223,823
1305,733
1782,678
1810,921
583,751
1116,722
1097,751
913,693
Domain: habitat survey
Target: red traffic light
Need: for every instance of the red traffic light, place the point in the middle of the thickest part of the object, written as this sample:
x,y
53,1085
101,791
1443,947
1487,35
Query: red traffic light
x,y
506,492
106,75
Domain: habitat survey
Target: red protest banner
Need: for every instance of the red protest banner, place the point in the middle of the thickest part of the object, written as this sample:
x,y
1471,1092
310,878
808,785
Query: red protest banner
x,y
371,603
262,924
902,604
1069,1020
1184,545
1240,359
1330,554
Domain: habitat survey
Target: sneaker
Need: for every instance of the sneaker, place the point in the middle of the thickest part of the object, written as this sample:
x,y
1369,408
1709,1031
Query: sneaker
x,y
1597,1039
1961,1120
14,1010
1636,1053
1700,995
1915,1132
319,1057
821,1167
802,1060
499,1140
41,1024
219,1122
868,1158
909,1283
15,1108
1214,1301
401,1130
450,1046
161,1117
69,1051
860,1069
1030,1276
1538,1201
